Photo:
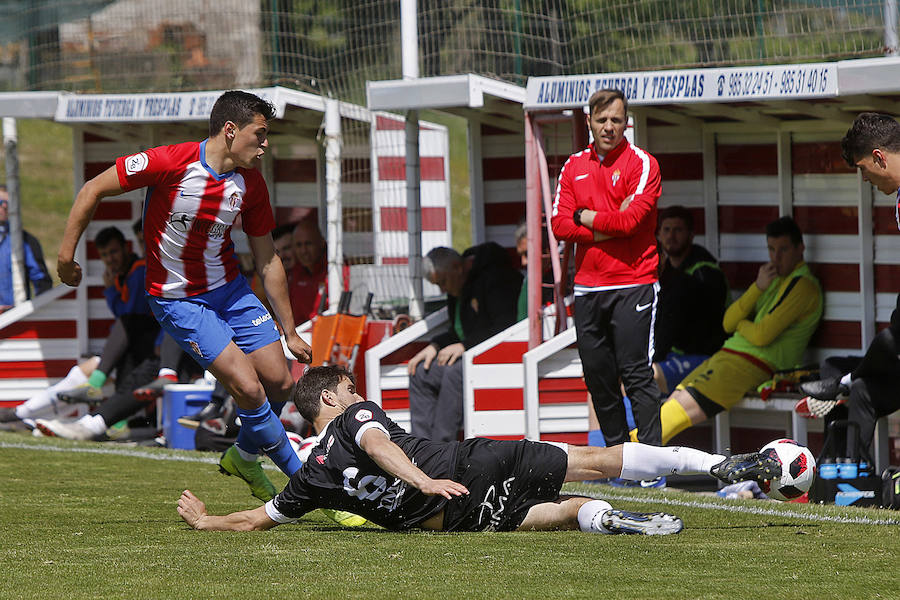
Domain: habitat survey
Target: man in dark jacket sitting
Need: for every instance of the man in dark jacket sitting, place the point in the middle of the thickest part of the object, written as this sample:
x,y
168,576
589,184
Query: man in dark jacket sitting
x,y
692,301
482,290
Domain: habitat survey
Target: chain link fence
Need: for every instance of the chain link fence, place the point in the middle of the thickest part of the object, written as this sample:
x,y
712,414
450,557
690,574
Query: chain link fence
x,y
334,46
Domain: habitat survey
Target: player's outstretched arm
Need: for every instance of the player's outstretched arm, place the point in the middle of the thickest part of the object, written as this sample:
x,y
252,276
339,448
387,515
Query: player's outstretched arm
x,y
103,185
390,457
193,511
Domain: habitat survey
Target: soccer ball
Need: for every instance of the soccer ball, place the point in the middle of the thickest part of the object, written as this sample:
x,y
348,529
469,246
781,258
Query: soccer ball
x,y
302,446
798,470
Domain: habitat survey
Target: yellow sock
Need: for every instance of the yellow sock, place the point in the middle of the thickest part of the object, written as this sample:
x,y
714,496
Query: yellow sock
x,y
674,420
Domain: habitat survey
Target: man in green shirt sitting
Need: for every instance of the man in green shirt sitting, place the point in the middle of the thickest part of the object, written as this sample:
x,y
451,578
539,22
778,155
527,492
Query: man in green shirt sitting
x,y
770,326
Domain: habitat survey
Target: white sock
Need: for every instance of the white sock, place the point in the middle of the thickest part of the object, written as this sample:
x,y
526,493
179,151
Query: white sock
x,y
74,378
164,371
94,423
43,403
640,461
246,455
845,380
590,515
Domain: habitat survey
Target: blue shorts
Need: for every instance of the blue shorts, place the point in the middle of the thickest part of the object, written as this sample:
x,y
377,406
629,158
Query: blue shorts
x,y
203,325
676,366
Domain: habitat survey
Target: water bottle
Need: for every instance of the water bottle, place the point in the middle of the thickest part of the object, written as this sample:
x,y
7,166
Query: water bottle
x,y
847,469
828,469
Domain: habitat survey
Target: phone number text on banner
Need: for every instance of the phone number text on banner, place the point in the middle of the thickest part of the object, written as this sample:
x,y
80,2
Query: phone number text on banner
x,y
689,85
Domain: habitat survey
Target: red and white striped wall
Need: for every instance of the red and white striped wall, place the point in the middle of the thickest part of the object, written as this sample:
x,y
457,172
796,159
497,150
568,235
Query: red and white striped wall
x,y
388,201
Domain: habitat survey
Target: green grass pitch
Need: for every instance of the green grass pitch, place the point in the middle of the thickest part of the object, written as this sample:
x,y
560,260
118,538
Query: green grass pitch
x,y
81,520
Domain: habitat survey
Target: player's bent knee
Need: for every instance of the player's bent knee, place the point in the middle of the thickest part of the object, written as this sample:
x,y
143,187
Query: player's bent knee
x,y
248,395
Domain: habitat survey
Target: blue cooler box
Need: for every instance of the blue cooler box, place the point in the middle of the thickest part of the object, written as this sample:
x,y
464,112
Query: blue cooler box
x,y
182,399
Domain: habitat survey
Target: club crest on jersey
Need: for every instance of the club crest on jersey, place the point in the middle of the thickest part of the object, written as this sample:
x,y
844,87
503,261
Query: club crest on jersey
x,y
234,199
364,415
615,177
136,163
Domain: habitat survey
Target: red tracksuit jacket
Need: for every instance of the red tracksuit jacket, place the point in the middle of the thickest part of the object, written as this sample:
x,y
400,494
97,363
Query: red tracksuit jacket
x,y
585,181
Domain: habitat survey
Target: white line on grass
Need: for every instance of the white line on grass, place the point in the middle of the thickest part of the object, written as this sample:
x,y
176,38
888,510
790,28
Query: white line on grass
x,y
210,460
738,508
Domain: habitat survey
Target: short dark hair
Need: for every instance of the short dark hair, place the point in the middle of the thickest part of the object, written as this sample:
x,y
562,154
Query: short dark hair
x,y
869,131
677,212
238,107
785,226
108,234
308,389
605,97
282,230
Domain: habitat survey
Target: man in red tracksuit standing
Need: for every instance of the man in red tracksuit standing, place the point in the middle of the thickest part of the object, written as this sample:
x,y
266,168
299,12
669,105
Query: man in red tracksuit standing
x,y
606,202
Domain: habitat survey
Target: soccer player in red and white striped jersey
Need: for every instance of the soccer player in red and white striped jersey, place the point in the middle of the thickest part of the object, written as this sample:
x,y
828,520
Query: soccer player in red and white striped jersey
x,y
195,194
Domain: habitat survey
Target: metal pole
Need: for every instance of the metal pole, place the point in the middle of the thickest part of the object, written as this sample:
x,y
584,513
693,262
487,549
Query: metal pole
x,y
16,247
533,220
409,47
335,229
414,216
409,39
890,28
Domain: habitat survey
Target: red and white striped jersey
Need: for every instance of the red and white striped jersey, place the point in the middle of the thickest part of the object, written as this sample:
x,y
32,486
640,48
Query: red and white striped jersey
x,y
188,215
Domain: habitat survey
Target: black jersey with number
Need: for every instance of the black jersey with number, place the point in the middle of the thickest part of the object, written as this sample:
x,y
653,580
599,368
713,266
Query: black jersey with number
x,y
339,474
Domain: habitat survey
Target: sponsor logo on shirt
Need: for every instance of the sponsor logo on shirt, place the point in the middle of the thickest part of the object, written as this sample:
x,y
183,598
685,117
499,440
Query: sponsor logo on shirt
x,y
136,163
492,508
185,222
180,221
363,415
615,177
260,320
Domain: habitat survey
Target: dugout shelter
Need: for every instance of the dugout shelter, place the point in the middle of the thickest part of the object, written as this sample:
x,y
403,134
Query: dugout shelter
x,y
739,147
328,160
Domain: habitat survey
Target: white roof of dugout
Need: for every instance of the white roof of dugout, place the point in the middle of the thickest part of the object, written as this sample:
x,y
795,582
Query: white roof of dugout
x,y
64,107
470,96
766,95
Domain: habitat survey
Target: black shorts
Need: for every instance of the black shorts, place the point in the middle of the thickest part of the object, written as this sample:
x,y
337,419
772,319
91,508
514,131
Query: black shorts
x,y
505,479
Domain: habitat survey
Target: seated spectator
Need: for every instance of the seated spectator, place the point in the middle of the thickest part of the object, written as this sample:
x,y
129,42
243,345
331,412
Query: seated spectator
x,y
134,333
283,239
482,293
771,324
169,353
46,404
692,300
122,405
308,279
36,274
859,389
521,235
